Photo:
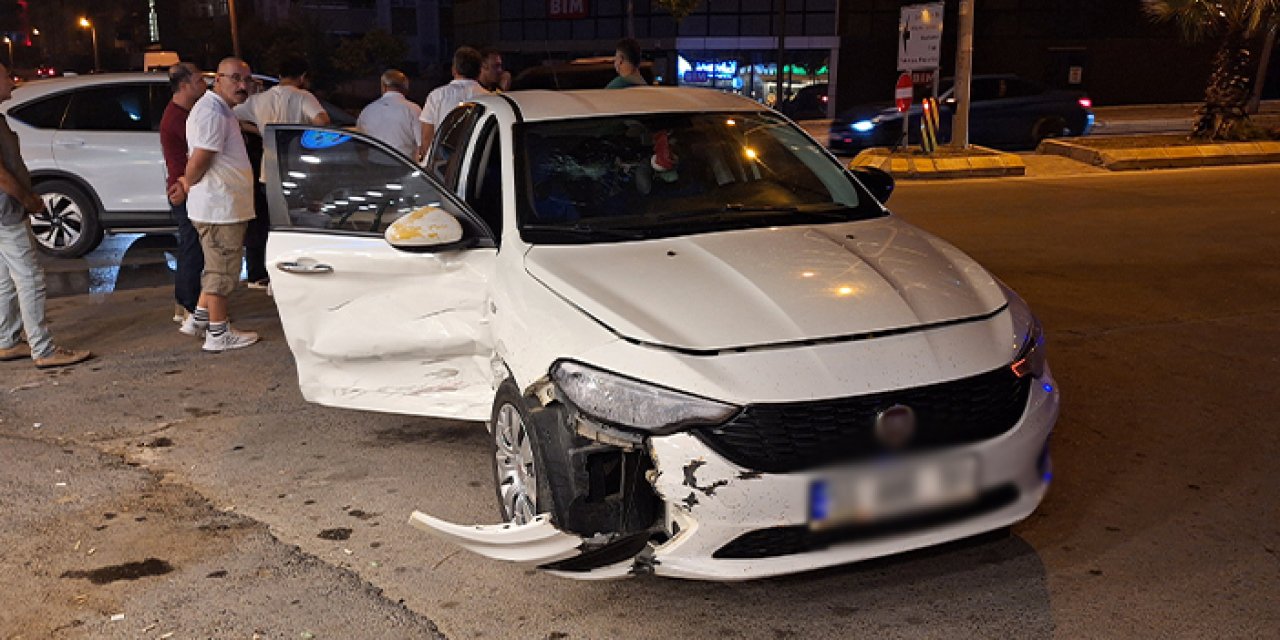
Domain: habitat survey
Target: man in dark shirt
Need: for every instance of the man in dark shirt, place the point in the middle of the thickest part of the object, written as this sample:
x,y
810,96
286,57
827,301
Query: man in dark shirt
x,y
188,85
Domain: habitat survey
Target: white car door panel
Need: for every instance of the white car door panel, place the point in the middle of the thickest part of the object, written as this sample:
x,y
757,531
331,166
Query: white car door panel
x,y
108,139
372,326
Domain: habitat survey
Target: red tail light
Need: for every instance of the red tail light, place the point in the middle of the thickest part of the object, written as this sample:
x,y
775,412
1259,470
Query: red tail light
x,y
1086,103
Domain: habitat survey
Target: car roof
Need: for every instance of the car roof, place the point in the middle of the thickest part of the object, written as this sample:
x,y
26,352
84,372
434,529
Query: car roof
x,y
565,105
47,86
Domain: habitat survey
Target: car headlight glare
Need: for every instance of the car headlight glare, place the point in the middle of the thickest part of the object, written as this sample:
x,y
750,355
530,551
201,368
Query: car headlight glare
x,y
630,403
863,126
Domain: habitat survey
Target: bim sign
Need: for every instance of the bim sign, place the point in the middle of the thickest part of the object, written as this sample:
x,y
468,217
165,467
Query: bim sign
x,y
566,9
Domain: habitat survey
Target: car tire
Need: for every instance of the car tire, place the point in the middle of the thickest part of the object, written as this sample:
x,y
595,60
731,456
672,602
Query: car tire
x,y
69,226
1050,127
518,475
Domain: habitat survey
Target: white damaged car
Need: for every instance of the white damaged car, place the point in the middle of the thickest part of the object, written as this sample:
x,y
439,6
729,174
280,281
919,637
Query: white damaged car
x,y
703,349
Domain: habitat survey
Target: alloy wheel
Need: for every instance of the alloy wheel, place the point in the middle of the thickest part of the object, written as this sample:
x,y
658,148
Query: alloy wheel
x,y
517,471
60,224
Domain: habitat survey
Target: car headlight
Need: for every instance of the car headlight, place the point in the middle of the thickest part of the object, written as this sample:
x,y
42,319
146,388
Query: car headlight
x,y
863,126
1028,345
627,402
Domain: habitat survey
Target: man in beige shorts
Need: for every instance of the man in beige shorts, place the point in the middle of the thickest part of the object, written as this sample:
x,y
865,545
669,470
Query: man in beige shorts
x,y
218,189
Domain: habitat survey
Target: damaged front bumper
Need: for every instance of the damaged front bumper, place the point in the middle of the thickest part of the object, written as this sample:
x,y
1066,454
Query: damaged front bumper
x,y
718,521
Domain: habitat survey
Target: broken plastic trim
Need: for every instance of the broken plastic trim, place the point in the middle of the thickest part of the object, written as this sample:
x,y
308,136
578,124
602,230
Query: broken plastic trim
x,y
535,542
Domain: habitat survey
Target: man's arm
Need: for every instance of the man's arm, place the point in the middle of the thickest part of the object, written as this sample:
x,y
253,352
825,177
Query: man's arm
x,y
10,185
197,165
321,119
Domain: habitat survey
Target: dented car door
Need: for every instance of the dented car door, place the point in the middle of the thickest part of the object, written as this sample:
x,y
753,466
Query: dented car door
x,y
372,326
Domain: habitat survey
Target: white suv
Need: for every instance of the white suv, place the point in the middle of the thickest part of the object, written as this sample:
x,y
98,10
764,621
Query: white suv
x,y
92,144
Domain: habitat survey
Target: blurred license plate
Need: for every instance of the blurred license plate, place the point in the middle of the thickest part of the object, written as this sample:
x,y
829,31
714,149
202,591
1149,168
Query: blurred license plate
x,y
899,489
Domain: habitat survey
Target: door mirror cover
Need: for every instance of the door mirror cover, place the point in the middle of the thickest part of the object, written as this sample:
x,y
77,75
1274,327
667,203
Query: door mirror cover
x,y
427,229
879,182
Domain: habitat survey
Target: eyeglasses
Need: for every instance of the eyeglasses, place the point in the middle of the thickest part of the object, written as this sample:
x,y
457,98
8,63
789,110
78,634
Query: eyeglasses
x,y
236,78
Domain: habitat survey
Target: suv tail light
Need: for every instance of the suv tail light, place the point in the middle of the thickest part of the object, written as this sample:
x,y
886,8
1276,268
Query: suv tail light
x,y
1086,103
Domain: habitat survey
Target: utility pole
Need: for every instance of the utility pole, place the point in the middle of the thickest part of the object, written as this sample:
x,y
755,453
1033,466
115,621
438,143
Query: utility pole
x,y
235,29
1256,100
964,73
631,19
782,47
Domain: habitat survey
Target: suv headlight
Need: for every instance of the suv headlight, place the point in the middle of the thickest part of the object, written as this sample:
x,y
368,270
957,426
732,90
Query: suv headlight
x,y
1028,345
627,402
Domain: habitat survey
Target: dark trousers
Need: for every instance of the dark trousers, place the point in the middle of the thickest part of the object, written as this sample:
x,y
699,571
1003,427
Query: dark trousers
x,y
255,237
186,282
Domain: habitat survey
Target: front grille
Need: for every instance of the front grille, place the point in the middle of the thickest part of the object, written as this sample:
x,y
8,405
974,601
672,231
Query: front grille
x,y
785,437
785,541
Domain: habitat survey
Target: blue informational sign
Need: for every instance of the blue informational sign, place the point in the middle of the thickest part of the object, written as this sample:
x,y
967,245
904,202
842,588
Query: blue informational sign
x,y
314,139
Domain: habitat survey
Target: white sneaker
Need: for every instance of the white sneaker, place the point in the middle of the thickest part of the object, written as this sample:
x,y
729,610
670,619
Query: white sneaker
x,y
179,313
193,327
231,339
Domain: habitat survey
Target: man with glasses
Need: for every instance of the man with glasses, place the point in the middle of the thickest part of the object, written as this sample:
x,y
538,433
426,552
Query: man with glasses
x,y
218,186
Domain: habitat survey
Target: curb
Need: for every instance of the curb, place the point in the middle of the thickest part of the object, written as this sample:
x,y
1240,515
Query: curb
x,y
980,163
1174,157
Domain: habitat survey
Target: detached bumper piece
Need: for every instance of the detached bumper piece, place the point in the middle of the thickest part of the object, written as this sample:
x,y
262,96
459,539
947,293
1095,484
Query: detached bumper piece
x,y
536,542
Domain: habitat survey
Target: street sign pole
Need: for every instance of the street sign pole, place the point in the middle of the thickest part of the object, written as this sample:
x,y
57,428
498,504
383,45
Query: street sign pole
x,y
964,73
903,92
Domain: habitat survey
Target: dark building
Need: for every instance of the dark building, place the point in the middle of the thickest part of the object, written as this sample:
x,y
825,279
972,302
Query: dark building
x,y
1119,55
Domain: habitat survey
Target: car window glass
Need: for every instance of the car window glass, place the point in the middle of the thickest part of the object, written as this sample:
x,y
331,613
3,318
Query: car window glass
x,y
1020,88
985,89
445,161
111,108
671,174
43,114
160,97
484,186
332,180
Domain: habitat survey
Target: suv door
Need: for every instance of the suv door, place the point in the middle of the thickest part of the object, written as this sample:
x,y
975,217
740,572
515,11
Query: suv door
x,y
372,326
109,137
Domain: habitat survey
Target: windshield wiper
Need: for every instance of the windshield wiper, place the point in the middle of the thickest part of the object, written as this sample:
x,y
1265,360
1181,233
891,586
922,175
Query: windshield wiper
x,y
586,230
755,208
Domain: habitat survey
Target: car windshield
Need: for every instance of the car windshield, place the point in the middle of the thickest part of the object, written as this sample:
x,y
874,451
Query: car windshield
x,y
651,176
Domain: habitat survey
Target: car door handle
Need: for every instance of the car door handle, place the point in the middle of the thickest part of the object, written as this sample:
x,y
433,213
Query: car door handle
x,y
69,143
305,269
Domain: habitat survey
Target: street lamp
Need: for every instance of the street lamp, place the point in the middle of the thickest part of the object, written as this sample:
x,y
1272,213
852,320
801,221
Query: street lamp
x,y
9,41
84,23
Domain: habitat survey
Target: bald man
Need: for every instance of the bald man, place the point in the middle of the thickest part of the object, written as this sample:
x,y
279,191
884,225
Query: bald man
x,y
218,187
392,118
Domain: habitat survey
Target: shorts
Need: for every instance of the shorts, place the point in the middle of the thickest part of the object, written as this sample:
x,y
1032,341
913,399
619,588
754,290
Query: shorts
x,y
223,246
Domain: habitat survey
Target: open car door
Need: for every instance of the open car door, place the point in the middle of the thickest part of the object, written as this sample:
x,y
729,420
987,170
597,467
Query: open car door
x,y
400,328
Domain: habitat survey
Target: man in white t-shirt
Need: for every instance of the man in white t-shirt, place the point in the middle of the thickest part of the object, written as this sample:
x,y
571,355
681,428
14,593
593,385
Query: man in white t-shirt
x,y
218,186
466,69
286,103
392,118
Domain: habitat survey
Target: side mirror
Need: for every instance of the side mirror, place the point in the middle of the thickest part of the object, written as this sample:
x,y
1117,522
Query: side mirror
x,y
879,182
427,230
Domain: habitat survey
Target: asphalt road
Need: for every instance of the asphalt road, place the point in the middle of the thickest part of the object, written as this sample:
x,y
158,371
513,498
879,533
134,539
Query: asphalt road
x,y
1160,293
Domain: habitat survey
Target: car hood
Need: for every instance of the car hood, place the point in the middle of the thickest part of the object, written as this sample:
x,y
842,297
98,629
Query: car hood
x,y
768,287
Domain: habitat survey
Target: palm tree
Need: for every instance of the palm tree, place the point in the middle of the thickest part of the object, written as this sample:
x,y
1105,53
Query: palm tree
x,y
1236,22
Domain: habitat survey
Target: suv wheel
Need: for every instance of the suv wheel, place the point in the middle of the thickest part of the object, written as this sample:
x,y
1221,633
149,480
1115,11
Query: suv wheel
x,y
68,227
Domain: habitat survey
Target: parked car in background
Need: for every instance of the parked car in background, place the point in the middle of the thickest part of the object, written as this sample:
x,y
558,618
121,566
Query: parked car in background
x,y
1006,112
809,103
92,144
702,347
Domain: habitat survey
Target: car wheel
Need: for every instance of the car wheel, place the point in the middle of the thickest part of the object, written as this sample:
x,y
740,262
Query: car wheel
x,y
69,226
1051,127
516,469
